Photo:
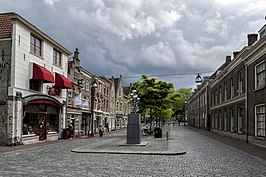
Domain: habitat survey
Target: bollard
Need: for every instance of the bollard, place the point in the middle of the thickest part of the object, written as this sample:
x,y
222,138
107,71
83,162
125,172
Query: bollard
x,y
166,135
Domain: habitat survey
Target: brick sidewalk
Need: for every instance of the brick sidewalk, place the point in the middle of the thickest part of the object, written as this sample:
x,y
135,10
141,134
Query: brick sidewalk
x,y
4,148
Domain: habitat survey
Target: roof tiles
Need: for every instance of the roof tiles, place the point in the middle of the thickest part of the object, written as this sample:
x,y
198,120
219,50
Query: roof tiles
x,y
5,25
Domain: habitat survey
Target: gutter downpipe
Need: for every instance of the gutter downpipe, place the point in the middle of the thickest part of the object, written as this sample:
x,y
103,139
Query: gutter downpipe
x,y
246,100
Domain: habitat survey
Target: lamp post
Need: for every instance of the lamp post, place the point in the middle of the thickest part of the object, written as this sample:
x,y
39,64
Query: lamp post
x,y
198,79
93,87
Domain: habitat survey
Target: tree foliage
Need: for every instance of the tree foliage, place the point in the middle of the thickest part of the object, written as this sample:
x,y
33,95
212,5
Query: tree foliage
x,y
159,100
155,97
179,102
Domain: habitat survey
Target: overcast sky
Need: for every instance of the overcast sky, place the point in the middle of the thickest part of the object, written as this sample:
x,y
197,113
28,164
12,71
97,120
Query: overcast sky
x,y
179,38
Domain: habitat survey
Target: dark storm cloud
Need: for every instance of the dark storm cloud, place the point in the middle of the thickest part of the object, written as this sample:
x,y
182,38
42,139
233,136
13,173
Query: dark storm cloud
x,y
146,37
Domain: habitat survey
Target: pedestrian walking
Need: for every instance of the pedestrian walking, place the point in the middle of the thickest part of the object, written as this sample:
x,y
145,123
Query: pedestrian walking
x,y
100,130
71,129
107,126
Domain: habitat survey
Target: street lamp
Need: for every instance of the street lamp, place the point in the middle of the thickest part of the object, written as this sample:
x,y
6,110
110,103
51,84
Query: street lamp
x,y
186,113
198,79
93,87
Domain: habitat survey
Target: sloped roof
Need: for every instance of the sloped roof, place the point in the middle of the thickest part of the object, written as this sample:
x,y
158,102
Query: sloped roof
x,y
5,25
6,29
116,81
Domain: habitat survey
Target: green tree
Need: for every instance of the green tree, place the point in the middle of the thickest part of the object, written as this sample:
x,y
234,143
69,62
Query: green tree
x,y
179,101
155,97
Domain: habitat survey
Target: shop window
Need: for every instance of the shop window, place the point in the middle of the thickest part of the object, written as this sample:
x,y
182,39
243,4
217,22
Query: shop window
x,y
52,123
30,124
35,85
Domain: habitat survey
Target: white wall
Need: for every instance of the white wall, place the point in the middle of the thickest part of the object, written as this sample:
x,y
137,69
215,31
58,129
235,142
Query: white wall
x,y
22,59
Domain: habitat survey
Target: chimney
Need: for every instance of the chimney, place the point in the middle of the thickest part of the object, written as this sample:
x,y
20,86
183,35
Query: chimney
x,y
235,53
76,53
227,59
252,38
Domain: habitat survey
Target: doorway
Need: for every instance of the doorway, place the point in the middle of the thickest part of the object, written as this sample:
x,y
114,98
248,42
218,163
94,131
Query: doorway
x,y
42,129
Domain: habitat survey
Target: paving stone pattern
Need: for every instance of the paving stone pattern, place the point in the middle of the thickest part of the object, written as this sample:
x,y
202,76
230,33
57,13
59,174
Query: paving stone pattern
x,y
204,157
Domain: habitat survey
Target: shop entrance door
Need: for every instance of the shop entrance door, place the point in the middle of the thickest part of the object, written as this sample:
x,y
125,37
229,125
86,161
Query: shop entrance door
x,y
42,126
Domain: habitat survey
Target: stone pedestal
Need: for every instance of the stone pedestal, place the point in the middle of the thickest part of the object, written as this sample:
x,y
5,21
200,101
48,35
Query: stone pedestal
x,y
134,129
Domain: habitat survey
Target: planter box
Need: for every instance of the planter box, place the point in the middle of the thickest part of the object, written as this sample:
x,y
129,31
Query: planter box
x,y
30,139
52,136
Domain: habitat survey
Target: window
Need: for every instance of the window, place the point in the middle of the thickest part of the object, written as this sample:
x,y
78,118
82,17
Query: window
x,y
216,97
240,83
232,120
220,120
232,89
57,58
76,77
225,91
35,45
69,97
220,94
260,117
121,106
99,87
225,120
35,85
87,85
212,99
216,120
240,119
260,76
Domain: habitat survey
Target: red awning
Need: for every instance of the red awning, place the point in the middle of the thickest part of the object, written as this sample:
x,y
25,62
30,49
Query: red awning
x,y
41,73
62,81
43,102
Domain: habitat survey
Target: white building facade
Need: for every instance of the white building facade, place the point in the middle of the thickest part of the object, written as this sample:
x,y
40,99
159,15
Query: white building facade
x,y
35,81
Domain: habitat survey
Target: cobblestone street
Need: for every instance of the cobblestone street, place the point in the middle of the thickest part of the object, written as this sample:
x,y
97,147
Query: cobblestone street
x,y
204,157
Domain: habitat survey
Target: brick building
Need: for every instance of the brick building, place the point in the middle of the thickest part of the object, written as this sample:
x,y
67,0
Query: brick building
x,y
236,94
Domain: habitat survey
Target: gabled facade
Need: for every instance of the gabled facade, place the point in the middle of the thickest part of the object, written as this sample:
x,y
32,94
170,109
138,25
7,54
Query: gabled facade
x,y
106,101
87,126
33,83
119,101
112,104
76,99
